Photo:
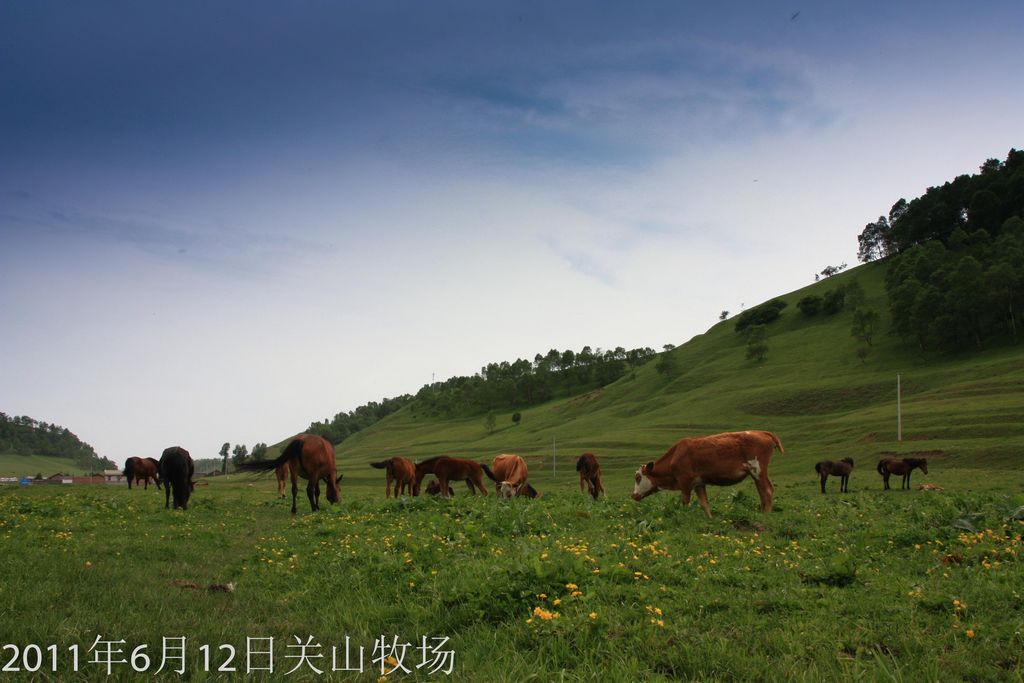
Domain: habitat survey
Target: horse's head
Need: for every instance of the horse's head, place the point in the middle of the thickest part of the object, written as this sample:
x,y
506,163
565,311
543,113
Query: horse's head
x,y
923,464
644,486
848,461
333,492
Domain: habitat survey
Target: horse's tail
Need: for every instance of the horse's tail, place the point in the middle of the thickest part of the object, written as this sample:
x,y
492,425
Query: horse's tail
x,y
294,447
881,465
580,464
817,467
487,471
382,465
129,469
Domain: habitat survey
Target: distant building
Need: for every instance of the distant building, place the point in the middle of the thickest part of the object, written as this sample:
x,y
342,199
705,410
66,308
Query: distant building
x,y
114,477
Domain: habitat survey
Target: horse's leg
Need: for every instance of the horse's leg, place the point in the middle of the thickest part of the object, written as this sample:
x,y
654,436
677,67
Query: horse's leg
x,y
167,496
702,498
480,483
885,481
311,493
823,478
295,492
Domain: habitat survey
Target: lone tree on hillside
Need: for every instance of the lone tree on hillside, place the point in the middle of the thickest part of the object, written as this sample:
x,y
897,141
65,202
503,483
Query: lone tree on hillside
x,y
224,454
490,421
757,342
666,364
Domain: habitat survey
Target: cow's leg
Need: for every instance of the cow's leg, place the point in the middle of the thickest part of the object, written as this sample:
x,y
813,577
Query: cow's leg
x,y
702,498
765,490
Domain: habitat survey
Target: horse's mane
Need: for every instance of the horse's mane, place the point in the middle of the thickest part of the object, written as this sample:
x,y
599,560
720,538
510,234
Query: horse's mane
x,y
914,461
431,460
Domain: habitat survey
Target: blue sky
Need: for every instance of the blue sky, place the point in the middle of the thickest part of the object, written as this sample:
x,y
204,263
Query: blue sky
x,y
222,221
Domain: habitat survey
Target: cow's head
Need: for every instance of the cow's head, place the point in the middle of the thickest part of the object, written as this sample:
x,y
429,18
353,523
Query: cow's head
x,y
644,486
507,489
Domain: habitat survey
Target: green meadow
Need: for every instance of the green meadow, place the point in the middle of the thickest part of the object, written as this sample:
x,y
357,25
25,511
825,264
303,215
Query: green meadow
x,y
870,585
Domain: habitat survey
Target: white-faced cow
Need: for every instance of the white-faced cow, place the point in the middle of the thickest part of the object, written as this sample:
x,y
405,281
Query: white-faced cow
x,y
718,460
511,472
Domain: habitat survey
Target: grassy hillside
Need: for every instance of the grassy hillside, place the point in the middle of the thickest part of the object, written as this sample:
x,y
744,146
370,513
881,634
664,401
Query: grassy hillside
x,y
961,411
12,465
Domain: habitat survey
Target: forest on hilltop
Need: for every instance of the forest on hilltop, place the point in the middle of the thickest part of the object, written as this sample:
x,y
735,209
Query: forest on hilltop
x,y
956,259
23,435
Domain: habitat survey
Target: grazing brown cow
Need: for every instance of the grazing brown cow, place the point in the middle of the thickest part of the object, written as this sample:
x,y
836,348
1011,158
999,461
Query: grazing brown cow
x,y
590,474
904,467
281,472
839,469
308,456
452,469
399,470
718,460
511,472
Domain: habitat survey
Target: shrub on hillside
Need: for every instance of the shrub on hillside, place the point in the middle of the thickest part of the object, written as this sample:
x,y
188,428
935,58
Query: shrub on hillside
x,y
761,315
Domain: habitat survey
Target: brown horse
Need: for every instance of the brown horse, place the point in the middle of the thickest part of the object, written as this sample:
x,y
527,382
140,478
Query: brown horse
x,y
142,469
399,470
590,473
281,472
433,489
904,466
452,469
839,469
308,456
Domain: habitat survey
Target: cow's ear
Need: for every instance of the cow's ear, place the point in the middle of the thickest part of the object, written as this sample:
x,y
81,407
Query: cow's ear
x,y
338,480
648,467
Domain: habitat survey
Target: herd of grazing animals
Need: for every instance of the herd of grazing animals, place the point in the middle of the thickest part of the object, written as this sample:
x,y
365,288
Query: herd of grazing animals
x,y
688,466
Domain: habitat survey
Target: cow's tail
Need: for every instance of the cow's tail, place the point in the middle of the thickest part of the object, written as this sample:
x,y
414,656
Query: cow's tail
x,y
778,444
294,447
487,471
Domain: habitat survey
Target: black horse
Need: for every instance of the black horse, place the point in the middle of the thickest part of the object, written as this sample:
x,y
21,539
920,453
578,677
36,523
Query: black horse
x,y
904,466
839,469
177,469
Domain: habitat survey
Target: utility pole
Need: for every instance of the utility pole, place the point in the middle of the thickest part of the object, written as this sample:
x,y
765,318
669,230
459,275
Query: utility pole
x,y
899,410
554,460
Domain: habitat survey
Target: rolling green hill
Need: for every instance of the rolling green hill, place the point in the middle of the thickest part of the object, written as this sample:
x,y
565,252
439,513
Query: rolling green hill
x,y
962,411
13,465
